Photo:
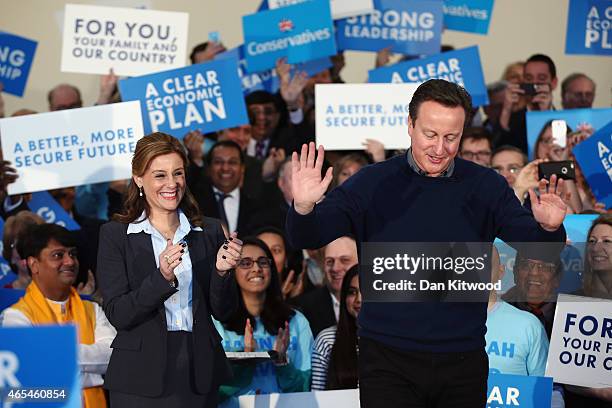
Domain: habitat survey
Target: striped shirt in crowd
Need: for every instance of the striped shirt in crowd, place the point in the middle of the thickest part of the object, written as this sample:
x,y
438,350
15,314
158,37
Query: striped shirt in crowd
x,y
321,353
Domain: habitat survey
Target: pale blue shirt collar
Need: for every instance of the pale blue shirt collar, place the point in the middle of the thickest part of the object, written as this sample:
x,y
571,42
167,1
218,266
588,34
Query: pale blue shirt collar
x,y
142,224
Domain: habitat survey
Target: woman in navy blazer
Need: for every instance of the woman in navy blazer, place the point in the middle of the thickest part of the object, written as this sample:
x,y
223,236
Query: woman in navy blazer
x,y
163,271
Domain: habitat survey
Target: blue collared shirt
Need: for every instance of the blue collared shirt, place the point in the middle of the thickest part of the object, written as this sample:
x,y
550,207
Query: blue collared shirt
x,y
179,315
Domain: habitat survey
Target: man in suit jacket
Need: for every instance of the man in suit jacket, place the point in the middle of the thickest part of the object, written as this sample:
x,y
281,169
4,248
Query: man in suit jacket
x,y
220,195
322,306
134,293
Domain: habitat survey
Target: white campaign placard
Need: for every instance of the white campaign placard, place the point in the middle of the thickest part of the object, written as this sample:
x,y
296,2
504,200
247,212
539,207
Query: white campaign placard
x,y
319,399
71,147
339,8
132,42
580,350
348,114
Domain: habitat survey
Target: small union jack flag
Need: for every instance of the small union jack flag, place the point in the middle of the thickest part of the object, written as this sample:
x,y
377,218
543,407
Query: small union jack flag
x,y
285,25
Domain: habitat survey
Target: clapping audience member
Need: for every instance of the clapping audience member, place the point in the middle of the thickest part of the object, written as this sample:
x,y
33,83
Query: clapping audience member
x,y
264,322
597,283
14,227
51,256
322,305
334,355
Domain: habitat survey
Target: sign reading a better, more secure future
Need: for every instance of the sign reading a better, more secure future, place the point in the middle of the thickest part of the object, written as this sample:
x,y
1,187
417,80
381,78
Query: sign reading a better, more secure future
x,y
71,147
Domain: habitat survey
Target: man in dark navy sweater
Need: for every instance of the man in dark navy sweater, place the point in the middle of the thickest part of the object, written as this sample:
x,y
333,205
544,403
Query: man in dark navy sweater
x,y
428,354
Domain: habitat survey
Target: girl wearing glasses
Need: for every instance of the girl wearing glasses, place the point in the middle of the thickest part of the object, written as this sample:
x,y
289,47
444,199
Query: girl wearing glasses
x,y
263,322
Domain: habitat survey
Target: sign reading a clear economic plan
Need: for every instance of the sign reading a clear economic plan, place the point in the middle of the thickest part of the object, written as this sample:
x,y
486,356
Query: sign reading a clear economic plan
x,y
205,97
301,32
589,27
512,391
130,41
594,156
71,147
471,16
580,351
339,8
410,27
16,56
348,114
39,365
538,122
462,67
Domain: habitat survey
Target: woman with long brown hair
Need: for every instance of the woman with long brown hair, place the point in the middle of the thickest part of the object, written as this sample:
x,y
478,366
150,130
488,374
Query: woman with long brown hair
x,y
597,283
163,271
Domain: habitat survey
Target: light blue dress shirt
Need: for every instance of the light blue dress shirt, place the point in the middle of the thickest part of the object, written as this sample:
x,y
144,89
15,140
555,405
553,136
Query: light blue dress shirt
x,y
179,315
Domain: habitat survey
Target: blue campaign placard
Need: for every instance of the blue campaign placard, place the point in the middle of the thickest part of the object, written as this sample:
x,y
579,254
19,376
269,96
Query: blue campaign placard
x,y
410,27
512,391
42,359
575,118
301,32
267,80
205,97
462,67
44,205
588,27
594,156
16,56
470,16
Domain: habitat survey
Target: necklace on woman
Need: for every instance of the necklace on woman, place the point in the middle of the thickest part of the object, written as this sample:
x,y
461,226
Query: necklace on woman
x,y
169,233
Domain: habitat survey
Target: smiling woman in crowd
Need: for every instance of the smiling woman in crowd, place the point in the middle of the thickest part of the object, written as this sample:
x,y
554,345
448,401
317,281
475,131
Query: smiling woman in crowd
x,y
597,284
264,322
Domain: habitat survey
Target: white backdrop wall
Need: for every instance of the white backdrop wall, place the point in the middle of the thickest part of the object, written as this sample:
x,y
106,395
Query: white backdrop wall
x,y
518,29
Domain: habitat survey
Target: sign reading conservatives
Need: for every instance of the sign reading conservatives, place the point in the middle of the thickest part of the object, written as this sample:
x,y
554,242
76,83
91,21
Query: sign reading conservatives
x,y
300,32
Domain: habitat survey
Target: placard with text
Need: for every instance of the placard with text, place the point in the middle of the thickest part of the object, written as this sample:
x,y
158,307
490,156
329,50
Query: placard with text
x,y
130,41
71,147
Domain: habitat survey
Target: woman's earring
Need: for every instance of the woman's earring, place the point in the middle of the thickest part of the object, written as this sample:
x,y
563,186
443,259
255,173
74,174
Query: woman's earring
x,y
140,191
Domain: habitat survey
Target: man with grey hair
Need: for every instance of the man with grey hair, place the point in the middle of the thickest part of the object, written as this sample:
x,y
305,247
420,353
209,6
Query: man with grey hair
x,y
577,91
